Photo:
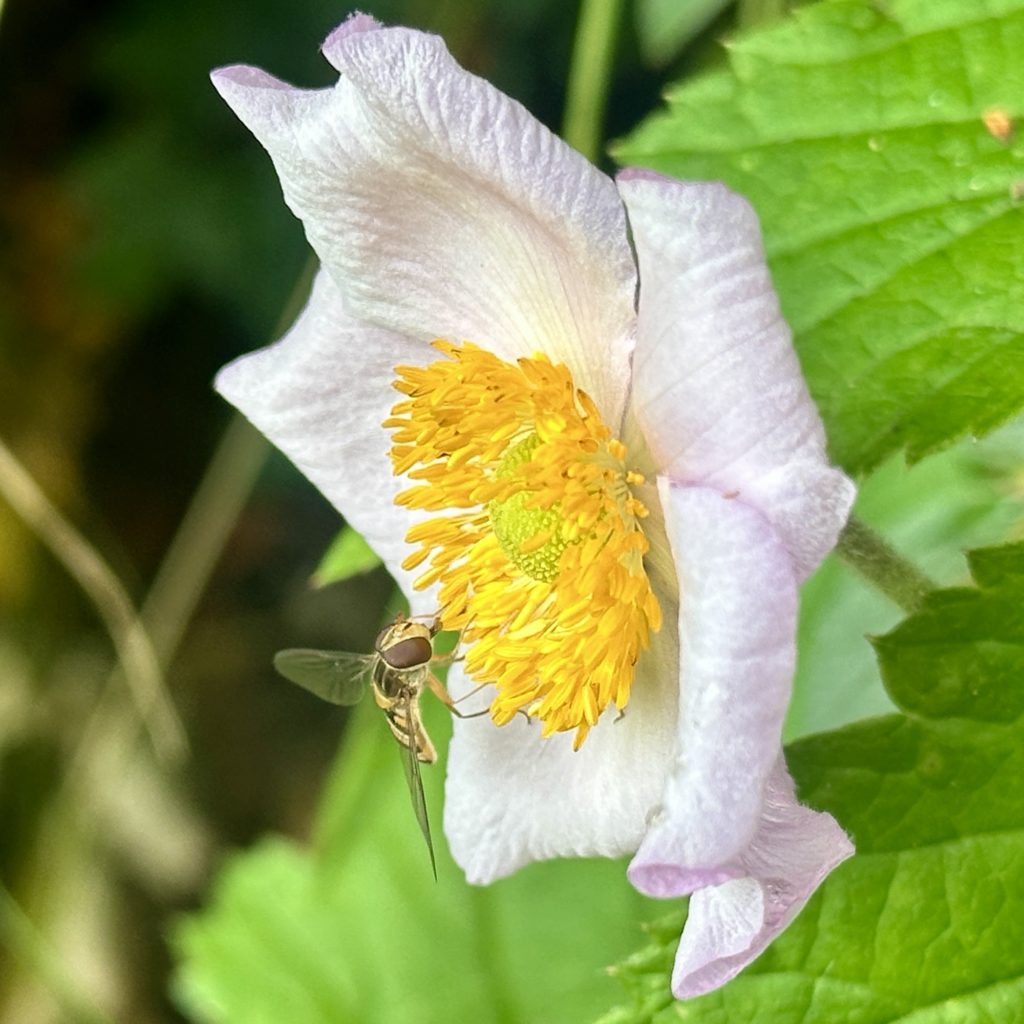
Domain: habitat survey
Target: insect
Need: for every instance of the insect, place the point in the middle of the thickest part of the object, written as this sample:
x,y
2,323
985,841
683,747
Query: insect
x,y
398,670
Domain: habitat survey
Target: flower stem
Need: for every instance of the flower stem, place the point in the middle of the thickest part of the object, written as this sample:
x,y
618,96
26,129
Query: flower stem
x,y
131,640
590,75
202,534
882,566
20,936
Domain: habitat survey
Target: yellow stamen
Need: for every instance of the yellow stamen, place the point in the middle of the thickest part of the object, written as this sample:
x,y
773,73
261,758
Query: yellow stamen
x,y
539,551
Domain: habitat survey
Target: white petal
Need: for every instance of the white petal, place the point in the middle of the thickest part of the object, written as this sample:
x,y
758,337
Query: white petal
x,y
737,652
356,22
442,208
320,395
717,387
512,797
728,925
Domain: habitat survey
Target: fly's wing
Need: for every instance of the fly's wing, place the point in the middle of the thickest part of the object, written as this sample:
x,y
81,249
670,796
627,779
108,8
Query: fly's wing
x,y
335,676
411,764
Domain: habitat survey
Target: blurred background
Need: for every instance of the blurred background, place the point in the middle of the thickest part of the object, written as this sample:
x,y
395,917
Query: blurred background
x,y
143,243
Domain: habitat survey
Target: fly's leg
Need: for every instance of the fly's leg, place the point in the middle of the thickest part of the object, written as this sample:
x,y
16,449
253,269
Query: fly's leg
x,y
439,691
453,655
445,698
451,658
433,618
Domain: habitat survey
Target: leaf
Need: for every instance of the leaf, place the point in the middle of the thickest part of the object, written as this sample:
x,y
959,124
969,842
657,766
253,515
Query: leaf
x,y
664,27
645,974
967,506
923,926
963,653
890,198
357,929
349,555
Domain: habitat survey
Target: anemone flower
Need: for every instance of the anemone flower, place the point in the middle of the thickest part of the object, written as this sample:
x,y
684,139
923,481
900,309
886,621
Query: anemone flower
x,y
566,412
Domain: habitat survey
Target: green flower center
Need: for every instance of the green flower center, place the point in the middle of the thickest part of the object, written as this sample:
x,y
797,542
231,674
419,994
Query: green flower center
x,y
515,525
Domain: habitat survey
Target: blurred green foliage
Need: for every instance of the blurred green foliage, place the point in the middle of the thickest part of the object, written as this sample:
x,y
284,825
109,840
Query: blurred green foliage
x,y
349,555
356,929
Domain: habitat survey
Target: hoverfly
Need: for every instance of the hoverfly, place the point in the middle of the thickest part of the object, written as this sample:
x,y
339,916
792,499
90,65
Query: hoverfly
x,y
398,671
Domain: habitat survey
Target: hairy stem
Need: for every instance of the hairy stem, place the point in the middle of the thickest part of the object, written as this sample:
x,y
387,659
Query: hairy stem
x,y
590,75
882,566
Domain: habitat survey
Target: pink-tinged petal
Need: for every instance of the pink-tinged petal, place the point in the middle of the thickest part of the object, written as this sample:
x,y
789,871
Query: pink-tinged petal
x,y
320,395
717,387
442,208
512,797
737,653
730,924
353,23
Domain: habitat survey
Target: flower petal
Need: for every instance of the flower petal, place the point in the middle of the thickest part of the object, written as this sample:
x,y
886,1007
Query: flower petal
x,y
717,387
730,924
442,208
321,395
737,652
729,828
513,797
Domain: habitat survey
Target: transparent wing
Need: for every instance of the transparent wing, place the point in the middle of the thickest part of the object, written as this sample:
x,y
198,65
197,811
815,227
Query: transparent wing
x,y
411,764
335,676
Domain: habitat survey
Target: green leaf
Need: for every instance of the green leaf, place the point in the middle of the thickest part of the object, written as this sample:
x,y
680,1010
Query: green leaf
x,y
968,506
963,653
349,555
664,27
892,214
993,567
923,926
357,929
645,974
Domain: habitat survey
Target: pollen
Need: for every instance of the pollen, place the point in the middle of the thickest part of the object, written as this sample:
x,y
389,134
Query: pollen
x,y
538,545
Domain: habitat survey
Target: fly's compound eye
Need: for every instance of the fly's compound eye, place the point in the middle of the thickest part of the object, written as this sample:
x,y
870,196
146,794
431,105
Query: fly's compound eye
x,y
409,653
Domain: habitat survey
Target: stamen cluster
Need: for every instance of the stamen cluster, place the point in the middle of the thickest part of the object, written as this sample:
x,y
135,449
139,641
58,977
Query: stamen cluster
x,y
540,551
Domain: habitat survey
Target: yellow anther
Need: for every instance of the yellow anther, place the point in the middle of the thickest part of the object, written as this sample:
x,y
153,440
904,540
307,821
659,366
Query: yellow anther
x,y
538,546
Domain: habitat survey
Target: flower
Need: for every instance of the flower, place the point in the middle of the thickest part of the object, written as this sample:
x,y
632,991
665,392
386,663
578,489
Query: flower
x,y
604,468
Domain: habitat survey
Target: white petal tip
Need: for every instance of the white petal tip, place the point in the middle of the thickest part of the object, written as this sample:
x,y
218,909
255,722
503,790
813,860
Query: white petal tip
x,y
227,382
730,925
233,79
354,24
252,95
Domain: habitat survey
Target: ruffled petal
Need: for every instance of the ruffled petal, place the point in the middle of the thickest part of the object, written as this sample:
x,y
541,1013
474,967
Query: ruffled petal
x,y
512,797
728,828
737,653
442,208
321,395
730,924
717,387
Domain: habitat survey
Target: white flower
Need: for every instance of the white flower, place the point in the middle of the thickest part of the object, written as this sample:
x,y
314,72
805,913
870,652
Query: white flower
x,y
612,459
